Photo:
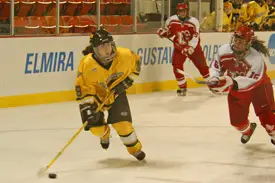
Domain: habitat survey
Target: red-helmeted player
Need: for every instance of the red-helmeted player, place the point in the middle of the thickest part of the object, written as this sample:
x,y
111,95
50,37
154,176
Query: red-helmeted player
x,y
239,69
185,30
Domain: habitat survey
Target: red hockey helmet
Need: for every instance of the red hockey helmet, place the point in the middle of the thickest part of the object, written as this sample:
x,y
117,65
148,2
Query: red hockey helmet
x,y
182,6
242,39
245,32
182,14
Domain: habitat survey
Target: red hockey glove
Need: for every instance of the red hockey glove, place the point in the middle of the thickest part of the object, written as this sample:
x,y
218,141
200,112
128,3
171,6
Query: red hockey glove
x,y
187,50
162,32
220,84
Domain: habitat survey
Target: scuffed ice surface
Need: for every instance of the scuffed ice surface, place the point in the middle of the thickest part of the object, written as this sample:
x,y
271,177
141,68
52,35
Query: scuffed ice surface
x,y
187,140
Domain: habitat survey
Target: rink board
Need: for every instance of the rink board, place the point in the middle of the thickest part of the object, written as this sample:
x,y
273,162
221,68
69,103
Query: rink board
x,y
43,69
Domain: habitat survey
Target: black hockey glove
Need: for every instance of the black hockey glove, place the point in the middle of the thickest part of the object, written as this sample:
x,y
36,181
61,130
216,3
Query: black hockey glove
x,y
123,86
88,113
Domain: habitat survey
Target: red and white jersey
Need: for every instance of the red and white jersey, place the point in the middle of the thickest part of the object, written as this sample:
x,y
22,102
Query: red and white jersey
x,y
248,72
186,33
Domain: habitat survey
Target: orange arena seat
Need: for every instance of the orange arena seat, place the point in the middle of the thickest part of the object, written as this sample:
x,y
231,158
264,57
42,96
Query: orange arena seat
x,y
43,7
62,5
67,24
106,23
20,24
115,21
104,7
115,7
127,24
50,25
88,7
125,10
72,6
34,25
26,7
85,24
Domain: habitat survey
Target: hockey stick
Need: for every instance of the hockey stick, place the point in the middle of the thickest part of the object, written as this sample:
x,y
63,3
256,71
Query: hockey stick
x,y
186,74
191,77
200,81
42,171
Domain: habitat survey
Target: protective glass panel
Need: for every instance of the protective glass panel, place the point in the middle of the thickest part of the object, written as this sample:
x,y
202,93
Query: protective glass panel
x,y
149,15
5,17
35,17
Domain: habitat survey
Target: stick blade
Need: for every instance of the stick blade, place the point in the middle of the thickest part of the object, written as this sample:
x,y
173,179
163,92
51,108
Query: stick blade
x,y
41,172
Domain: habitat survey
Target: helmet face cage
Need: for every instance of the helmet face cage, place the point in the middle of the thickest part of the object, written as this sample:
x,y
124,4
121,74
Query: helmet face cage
x,y
105,59
180,7
237,51
101,37
245,33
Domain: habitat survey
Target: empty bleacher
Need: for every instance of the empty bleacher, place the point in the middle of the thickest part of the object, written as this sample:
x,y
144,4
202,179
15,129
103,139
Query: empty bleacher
x,y
76,16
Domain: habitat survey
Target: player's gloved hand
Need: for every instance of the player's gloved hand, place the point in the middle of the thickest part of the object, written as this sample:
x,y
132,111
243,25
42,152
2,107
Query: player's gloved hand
x,y
88,113
162,32
123,85
220,84
187,50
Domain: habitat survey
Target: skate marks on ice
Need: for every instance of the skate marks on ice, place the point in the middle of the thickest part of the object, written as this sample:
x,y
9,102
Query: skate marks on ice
x,y
260,151
120,163
35,130
169,101
202,92
266,178
253,164
252,154
245,172
239,165
127,163
157,179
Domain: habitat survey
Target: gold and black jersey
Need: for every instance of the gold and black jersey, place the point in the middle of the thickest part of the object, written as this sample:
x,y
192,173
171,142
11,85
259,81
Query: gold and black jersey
x,y
95,81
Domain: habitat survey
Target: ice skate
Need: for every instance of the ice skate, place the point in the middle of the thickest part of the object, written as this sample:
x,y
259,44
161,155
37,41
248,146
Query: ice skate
x,y
246,138
140,155
182,92
105,143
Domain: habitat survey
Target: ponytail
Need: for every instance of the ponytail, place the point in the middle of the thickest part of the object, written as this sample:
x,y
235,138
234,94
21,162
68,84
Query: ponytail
x,y
87,50
260,47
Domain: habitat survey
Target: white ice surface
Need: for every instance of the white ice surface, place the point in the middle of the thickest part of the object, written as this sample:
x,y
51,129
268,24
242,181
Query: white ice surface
x,y
187,140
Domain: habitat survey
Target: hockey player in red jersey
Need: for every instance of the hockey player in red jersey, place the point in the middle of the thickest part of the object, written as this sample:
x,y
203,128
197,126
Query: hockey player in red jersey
x,y
185,30
240,70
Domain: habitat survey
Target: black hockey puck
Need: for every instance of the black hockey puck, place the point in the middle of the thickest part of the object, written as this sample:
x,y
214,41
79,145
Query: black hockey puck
x,y
52,176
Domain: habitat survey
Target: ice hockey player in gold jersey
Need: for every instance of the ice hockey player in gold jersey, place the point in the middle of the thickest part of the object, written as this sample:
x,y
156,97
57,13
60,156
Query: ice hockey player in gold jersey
x,y
103,69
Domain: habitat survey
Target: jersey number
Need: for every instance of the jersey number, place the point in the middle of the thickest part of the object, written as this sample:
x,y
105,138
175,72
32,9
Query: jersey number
x,y
216,64
254,75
